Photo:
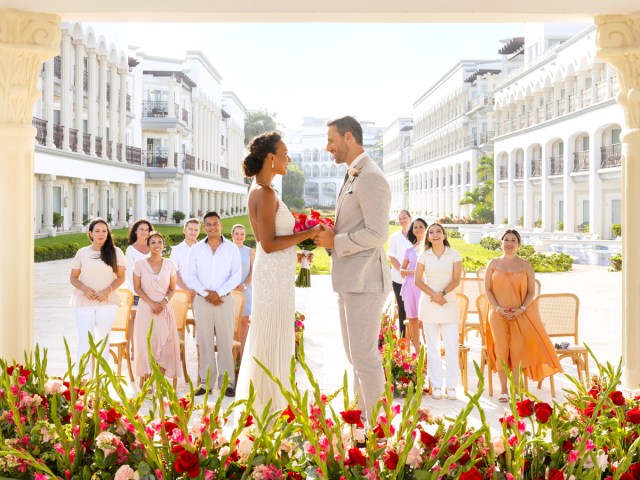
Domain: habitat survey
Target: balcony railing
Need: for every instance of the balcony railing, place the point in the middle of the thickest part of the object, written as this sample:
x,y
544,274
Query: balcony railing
x,y
155,109
519,173
557,165
86,143
487,137
41,127
581,161
134,155
85,80
189,162
99,146
185,116
108,93
128,103
503,173
536,168
73,139
57,66
109,150
224,172
155,158
119,151
611,156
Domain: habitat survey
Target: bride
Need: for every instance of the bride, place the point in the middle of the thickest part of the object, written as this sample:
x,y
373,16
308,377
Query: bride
x,y
271,334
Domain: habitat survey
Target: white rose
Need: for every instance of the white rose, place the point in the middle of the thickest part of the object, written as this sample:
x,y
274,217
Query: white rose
x,y
413,458
125,472
498,445
54,386
245,446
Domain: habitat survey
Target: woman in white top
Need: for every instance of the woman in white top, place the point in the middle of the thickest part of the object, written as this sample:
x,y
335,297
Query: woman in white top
x,y
96,273
438,274
137,249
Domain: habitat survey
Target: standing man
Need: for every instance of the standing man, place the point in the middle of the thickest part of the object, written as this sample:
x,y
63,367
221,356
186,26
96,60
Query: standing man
x,y
359,271
180,253
214,270
398,244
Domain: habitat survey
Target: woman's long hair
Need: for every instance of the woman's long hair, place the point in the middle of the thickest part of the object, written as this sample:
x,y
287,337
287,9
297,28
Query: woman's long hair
x,y
410,236
427,243
108,249
133,234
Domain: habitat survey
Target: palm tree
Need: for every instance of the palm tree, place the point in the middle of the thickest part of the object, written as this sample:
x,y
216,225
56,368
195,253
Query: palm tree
x,y
481,197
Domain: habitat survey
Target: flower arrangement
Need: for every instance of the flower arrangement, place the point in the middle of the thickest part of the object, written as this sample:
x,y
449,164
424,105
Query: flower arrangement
x,y
66,428
305,256
298,324
396,353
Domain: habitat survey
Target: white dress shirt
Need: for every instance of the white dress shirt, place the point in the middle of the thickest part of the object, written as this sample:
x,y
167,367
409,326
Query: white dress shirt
x,y
180,256
218,272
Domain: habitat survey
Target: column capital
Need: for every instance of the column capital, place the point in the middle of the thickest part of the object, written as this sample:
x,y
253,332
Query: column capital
x,y
91,51
618,43
78,181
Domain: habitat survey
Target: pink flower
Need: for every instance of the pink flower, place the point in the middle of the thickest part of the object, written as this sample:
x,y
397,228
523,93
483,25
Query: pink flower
x,y
125,472
40,476
512,441
573,456
498,445
589,445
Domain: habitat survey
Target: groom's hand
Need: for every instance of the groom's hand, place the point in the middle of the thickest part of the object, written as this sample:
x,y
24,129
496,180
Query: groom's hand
x,y
325,238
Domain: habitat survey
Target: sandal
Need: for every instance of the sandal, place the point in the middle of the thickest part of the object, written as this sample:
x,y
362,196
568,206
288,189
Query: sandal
x,y
504,398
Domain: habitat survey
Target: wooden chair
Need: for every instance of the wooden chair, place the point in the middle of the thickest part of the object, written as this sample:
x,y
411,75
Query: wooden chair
x,y
472,288
538,288
480,272
180,304
559,315
120,345
482,305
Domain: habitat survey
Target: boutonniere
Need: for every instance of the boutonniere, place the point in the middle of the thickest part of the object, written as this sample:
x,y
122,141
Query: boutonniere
x,y
353,172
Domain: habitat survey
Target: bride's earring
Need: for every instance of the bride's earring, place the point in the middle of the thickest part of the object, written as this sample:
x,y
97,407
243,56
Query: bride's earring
x,y
273,164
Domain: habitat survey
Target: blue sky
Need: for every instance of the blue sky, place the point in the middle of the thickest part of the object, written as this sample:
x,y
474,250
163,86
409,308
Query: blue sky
x,y
372,71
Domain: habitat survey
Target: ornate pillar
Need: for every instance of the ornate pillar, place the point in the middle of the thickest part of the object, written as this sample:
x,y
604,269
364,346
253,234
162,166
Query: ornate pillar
x,y
27,39
170,203
197,210
103,202
171,97
527,210
92,97
122,117
78,107
48,101
219,203
204,201
545,187
123,208
113,111
568,187
78,184
171,148
212,201
102,104
512,207
47,205
618,42
65,89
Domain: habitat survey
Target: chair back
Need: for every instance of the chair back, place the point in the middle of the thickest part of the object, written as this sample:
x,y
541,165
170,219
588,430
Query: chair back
x,y
559,314
238,308
472,288
538,288
124,312
180,304
463,306
480,272
482,306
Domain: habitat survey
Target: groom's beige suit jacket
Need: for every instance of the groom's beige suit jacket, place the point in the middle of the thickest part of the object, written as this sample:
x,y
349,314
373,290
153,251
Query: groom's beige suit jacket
x,y
359,262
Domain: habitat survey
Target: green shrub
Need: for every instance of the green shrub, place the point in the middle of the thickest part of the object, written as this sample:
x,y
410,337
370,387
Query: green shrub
x,y
121,242
471,264
451,233
561,226
556,262
55,252
490,243
615,263
57,219
616,230
178,216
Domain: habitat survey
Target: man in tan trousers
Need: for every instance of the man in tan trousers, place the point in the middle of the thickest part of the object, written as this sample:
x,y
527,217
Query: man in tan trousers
x,y
359,268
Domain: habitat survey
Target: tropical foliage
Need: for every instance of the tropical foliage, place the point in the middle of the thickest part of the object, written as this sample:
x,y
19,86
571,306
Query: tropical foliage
x,y
481,197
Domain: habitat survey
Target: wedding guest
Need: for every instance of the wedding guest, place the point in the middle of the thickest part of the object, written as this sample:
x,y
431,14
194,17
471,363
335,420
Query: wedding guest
x,y
438,272
154,281
96,273
214,270
409,292
516,335
247,254
398,244
137,250
180,253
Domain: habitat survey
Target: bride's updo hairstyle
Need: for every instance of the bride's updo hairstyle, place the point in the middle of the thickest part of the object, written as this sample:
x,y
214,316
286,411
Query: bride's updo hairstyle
x,y
259,148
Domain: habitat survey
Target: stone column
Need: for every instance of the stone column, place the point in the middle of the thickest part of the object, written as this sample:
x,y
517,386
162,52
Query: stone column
x,y
527,212
65,89
545,187
78,185
512,208
92,99
171,148
170,203
195,197
27,40
204,201
102,103
48,101
618,43
212,201
103,199
122,205
113,111
47,205
78,107
171,98
569,187
122,117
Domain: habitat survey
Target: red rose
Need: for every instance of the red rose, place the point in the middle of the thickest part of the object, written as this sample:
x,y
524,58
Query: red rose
x,y
112,416
595,391
288,414
186,462
543,411
633,416
588,412
427,439
353,417
379,431
249,421
567,446
555,474
471,474
627,476
169,427
390,459
525,407
617,398
634,469
355,457
294,475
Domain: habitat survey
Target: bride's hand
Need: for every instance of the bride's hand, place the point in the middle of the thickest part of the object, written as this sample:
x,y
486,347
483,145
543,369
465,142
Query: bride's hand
x,y
313,232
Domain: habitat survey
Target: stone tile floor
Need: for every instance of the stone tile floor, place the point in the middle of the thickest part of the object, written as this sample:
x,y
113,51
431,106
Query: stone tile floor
x,y
600,327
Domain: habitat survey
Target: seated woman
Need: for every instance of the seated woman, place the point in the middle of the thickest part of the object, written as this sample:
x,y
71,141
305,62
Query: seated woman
x,y
516,335
154,281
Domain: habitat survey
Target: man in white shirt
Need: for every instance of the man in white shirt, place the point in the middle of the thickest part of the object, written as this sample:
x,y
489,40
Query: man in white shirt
x,y
398,244
214,270
180,253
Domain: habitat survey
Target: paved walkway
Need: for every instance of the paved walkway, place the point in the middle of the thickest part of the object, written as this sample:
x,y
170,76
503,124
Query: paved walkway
x,y
600,327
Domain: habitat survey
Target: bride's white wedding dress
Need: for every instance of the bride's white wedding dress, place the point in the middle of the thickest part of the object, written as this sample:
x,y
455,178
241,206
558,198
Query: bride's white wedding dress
x,y
271,334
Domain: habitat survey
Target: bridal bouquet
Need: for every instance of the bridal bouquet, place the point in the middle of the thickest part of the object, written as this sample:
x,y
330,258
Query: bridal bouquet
x,y
305,256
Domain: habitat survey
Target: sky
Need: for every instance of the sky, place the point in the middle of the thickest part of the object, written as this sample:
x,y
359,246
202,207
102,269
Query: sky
x,y
372,71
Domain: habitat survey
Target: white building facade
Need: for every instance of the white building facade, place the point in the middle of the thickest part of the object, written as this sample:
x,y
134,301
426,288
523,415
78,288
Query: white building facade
x,y
557,143
396,143
119,136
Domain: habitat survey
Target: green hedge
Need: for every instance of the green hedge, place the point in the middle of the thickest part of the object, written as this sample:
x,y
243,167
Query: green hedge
x,y
615,263
55,252
490,243
556,262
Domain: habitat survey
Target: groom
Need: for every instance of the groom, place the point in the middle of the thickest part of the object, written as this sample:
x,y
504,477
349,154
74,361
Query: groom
x,y
359,270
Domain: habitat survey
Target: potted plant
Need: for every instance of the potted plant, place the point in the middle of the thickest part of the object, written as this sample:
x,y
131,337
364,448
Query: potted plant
x,y
178,216
57,220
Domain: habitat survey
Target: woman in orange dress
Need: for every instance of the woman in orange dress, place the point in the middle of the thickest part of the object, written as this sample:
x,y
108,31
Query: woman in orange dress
x,y
516,335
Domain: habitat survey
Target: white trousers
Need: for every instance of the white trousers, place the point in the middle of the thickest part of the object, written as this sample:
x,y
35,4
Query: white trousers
x,y
94,321
449,333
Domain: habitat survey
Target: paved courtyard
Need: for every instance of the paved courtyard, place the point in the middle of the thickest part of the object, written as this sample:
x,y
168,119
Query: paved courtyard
x,y
600,328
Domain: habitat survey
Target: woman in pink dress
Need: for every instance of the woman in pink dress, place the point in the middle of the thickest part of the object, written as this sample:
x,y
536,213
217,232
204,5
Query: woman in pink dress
x,y
410,293
154,280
